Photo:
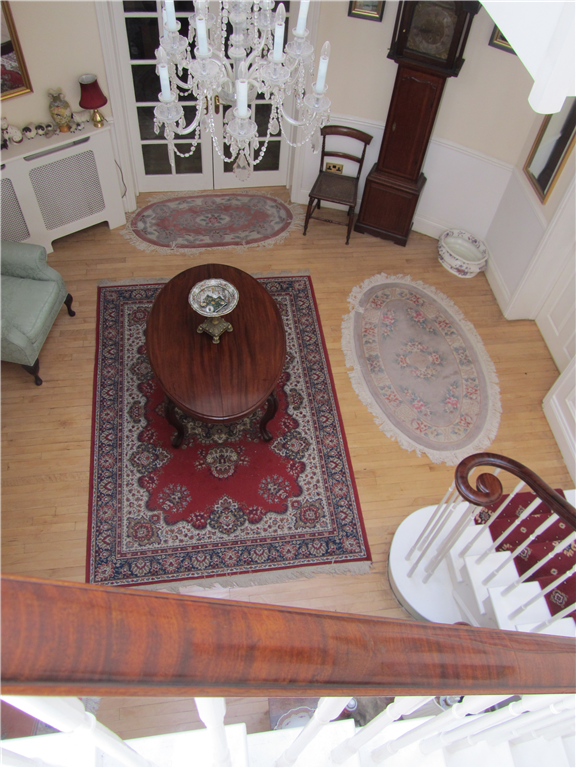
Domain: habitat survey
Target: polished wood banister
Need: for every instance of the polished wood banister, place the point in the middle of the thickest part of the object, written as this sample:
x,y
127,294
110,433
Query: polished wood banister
x,y
63,638
489,488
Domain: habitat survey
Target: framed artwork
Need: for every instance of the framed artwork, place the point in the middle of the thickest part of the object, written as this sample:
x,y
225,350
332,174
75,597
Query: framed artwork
x,y
548,156
497,40
366,9
15,80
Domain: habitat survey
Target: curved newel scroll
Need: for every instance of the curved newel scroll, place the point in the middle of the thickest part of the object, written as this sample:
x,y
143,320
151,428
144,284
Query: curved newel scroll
x,y
489,488
66,639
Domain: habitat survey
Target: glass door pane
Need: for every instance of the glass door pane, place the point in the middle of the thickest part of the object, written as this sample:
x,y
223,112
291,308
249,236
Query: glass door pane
x,y
139,27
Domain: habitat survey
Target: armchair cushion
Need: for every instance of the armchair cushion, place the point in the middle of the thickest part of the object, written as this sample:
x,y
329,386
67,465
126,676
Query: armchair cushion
x,y
32,295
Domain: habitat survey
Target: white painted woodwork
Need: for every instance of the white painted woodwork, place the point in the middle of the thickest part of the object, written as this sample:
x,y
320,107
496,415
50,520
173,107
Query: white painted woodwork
x,y
212,712
328,709
464,734
557,318
560,410
62,194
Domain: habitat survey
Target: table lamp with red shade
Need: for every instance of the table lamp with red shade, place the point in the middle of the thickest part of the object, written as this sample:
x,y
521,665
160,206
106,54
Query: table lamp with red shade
x,y
91,97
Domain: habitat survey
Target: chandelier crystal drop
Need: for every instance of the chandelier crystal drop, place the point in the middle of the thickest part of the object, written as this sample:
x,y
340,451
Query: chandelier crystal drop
x,y
232,70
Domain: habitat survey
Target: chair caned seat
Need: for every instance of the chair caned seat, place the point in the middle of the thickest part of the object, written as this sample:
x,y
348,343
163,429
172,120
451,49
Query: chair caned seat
x,y
334,188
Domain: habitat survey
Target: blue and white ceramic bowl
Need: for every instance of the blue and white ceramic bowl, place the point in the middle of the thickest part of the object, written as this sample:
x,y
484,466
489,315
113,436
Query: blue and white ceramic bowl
x,y
462,253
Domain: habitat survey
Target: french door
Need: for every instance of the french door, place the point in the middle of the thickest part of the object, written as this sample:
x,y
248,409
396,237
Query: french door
x,y
138,35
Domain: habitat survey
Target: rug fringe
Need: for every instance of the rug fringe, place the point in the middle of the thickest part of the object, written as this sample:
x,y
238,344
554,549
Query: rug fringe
x,y
257,579
128,233
359,385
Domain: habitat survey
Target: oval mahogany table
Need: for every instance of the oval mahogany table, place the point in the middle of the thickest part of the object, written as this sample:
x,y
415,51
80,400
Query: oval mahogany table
x,y
224,382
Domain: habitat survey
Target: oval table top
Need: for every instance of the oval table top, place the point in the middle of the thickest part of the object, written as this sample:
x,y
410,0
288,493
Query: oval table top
x,y
216,382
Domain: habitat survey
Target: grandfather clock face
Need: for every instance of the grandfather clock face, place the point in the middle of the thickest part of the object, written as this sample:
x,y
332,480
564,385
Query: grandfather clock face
x,y
432,29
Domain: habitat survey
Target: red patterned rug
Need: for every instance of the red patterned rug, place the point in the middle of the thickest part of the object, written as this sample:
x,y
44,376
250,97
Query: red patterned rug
x,y
564,594
226,506
210,220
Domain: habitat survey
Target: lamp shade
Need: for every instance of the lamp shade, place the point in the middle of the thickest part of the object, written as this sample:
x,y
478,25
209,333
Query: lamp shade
x,y
91,97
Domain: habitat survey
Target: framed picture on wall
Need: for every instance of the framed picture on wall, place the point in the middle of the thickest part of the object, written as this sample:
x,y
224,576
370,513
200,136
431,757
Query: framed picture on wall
x,y
366,9
497,40
551,149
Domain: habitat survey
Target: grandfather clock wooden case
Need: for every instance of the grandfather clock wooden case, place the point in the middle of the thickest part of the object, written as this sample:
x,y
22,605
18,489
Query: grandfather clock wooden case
x,y
428,45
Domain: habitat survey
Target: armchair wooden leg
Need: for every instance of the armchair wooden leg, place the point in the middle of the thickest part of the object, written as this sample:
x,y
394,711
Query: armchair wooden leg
x,y
68,302
308,214
33,371
350,224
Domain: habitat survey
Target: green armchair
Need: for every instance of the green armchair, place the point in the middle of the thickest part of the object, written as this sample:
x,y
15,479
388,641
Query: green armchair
x,y
32,295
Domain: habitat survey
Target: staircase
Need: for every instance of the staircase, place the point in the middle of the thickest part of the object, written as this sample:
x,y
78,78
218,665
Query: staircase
x,y
496,730
509,565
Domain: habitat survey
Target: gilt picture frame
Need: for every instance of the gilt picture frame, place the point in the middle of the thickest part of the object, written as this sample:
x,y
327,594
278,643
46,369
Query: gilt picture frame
x,y
551,149
497,40
15,80
366,9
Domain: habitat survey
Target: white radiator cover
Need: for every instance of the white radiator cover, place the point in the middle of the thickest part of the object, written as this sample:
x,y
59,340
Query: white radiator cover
x,y
53,187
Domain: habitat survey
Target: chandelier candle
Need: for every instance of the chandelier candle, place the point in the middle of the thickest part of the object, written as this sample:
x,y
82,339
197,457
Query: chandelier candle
x,y
302,16
164,81
279,33
170,16
323,68
242,92
202,37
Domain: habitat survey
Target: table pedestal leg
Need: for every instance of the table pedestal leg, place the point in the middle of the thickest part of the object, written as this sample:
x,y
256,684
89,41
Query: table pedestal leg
x,y
271,408
175,422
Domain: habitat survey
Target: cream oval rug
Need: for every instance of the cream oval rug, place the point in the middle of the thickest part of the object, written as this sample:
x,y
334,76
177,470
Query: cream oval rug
x,y
420,367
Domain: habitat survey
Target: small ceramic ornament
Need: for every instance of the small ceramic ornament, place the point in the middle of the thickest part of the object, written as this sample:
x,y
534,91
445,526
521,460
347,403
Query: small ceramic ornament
x,y
60,110
40,129
29,131
14,134
50,130
82,117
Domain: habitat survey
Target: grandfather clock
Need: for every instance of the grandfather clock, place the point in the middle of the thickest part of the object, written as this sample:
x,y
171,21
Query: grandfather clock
x,y
428,45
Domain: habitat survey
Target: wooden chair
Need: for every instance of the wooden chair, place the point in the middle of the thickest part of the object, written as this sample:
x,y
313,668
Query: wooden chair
x,y
333,187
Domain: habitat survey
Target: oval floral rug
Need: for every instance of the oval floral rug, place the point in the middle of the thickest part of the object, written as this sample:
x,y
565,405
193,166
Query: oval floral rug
x,y
198,221
420,368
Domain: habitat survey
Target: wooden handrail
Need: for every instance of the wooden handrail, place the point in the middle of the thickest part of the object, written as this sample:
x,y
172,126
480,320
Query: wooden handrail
x,y
62,638
489,488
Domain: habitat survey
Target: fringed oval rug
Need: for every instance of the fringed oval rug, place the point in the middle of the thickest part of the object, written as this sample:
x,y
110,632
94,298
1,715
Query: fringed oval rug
x,y
195,222
420,367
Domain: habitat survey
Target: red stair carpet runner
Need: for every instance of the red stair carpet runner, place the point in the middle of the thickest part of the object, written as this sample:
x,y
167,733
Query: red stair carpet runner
x,y
565,593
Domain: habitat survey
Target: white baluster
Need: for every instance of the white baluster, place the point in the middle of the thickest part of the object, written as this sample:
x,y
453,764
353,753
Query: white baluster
x,y
500,509
19,761
435,531
466,518
470,705
471,733
558,548
430,522
558,731
212,712
553,619
492,548
328,709
541,528
464,610
544,592
554,713
68,715
402,705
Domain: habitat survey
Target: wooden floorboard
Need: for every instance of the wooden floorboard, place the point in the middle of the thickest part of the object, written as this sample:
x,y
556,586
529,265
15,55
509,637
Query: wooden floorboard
x,y
46,431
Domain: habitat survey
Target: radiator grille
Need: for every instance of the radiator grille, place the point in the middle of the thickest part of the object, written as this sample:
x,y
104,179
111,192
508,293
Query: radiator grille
x,y
68,190
13,221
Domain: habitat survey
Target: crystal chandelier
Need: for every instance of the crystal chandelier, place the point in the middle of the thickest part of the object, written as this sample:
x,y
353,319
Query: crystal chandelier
x,y
255,62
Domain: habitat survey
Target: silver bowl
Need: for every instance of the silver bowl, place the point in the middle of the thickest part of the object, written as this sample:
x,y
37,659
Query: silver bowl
x,y
213,298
